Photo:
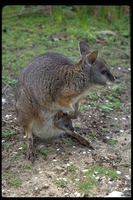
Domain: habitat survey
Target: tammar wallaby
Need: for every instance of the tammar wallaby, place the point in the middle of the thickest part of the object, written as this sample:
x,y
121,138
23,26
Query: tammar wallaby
x,y
52,82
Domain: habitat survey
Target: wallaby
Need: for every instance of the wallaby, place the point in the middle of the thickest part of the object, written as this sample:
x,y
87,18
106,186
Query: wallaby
x,y
52,82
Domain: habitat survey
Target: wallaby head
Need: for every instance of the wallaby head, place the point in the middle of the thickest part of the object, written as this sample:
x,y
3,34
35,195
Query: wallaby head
x,y
63,121
96,68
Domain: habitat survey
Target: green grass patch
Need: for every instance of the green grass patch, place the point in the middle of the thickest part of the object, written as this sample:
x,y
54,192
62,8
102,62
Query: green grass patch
x,y
9,81
42,152
84,107
60,182
87,185
72,168
12,179
28,36
26,167
69,142
112,102
109,106
112,141
92,96
89,182
101,171
16,156
8,132
117,88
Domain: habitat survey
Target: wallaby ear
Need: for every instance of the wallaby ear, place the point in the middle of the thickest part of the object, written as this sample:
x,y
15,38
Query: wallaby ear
x,y
92,57
83,47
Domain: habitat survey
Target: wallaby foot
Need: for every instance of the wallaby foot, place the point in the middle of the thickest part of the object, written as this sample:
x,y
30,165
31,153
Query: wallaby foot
x,y
31,155
83,140
30,146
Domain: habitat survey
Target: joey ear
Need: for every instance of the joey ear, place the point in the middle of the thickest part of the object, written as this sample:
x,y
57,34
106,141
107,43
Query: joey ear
x,y
83,47
92,57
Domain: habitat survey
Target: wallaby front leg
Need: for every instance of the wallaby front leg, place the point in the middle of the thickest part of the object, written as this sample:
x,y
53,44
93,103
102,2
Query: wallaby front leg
x,y
74,114
82,139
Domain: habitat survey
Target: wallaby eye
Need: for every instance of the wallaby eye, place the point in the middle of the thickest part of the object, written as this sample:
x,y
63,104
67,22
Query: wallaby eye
x,y
104,72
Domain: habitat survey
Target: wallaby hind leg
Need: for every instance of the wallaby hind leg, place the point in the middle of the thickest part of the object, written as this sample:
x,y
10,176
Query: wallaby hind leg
x,y
83,140
26,119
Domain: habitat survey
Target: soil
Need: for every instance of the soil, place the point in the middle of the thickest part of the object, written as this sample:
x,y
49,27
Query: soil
x,y
50,175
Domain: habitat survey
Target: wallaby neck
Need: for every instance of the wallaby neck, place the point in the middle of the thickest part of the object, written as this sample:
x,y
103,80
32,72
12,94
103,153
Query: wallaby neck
x,y
80,76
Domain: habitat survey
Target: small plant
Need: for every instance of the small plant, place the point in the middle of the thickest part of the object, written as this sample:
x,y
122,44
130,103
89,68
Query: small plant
x,y
16,156
93,103
71,168
102,171
87,185
69,142
42,152
93,134
112,141
92,96
117,88
110,104
106,108
89,181
84,107
8,132
26,167
12,179
60,182
9,81
8,145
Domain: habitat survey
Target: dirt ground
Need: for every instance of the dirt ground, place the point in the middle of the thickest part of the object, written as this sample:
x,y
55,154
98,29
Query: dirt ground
x,y
60,162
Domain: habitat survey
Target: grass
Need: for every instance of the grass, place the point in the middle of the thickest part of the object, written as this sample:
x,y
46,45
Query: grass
x,y
86,181
69,142
26,167
60,182
8,132
110,105
71,168
84,107
112,101
25,37
12,179
9,81
16,157
112,141
87,185
42,152
89,182
102,171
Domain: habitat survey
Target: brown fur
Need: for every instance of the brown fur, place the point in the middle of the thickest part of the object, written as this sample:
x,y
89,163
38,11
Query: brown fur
x,y
52,82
